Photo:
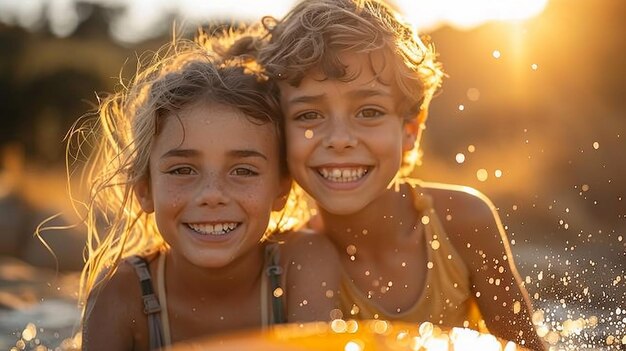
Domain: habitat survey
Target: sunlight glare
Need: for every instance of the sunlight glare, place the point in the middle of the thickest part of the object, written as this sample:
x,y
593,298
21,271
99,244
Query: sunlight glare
x,y
429,15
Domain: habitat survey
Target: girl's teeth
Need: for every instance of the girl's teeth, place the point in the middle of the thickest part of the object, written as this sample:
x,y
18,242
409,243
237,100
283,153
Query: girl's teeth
x,y
209,229
343,175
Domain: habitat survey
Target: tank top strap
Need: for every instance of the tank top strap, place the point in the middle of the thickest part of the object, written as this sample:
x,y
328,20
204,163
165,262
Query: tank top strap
x,y
423,202
272,279
152,308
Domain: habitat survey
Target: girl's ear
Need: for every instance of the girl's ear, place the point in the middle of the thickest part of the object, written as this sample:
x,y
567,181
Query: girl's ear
x,y
413,130
143,193
283,194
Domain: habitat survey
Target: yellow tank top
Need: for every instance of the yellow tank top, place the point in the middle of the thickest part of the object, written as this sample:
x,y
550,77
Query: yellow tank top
x,y
446,298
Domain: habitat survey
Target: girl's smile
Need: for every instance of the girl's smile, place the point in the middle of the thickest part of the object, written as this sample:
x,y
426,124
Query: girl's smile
x,y
212,195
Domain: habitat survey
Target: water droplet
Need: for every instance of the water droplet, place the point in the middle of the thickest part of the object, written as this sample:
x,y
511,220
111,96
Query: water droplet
x,y
482,175
30,332
534,66
278,292
435,244
338,326
460,158
596,145
425,220
496,54
461,107
308,134
473,94
380,327
351,250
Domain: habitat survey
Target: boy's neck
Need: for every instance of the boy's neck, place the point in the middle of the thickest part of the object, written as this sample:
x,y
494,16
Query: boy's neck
x,y
383,223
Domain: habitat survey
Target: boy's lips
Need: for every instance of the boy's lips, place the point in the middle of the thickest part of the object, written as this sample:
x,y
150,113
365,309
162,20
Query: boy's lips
x,y
213,228
343,173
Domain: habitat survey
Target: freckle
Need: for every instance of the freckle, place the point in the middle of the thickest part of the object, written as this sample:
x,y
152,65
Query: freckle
x,y
308,134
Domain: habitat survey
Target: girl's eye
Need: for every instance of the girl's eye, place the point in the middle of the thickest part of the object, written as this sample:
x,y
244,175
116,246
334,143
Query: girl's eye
x,y
308,116
244,172
370,113
182,171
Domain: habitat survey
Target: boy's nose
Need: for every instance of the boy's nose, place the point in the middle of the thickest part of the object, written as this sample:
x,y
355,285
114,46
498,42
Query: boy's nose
x,y
212,193
339,136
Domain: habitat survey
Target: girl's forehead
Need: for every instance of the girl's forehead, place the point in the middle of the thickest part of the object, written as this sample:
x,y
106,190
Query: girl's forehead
x,y
208,122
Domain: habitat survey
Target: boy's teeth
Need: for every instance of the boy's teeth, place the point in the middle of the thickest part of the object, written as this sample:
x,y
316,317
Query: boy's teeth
x,y
343,175
213,229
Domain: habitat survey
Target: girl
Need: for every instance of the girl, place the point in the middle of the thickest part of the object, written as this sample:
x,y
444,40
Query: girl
x,y
355,83
185,173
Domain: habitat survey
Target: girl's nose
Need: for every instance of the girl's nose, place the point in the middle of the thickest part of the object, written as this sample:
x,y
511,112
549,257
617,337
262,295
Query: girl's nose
x,y
339,136
212,193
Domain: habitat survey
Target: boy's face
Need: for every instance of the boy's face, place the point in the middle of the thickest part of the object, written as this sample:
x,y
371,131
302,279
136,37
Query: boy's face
x,y
214,178
345,139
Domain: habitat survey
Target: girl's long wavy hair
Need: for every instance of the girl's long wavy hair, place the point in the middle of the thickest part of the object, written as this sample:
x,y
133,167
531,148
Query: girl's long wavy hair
x,y
112,146
316,32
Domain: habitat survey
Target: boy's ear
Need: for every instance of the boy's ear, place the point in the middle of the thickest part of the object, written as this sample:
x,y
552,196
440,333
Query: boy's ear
x,y
283,194
143,193
413,130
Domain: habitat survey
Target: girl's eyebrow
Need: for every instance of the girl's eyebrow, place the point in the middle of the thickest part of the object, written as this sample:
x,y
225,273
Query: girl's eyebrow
x,y
246,153
243,153
181,153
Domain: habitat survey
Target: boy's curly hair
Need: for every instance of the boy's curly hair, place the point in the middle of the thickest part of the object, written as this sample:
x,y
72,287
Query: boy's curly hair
x,y
315,32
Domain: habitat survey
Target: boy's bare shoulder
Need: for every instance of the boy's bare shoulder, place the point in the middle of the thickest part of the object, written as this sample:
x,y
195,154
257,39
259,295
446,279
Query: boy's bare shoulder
x,y
461,203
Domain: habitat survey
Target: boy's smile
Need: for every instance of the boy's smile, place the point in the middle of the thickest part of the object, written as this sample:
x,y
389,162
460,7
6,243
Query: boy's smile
x,y
345,138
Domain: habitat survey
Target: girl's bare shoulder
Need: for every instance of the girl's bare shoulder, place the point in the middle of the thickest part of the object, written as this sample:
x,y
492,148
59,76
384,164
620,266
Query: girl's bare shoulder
x,y
305,242
114,317
121,290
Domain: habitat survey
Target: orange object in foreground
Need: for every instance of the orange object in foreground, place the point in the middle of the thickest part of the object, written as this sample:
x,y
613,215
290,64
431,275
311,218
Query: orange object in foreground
x,y
351,335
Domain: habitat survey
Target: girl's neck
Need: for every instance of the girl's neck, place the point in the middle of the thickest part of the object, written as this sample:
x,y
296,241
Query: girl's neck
x,y
383,223
241,275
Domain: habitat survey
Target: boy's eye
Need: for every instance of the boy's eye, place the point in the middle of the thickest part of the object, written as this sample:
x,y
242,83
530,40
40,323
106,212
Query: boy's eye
x,y
244,172
308,116
182,171
370,113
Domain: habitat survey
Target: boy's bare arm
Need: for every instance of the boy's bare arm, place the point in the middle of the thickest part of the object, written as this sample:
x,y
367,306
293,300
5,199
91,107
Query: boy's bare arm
x,y
312,279
477,234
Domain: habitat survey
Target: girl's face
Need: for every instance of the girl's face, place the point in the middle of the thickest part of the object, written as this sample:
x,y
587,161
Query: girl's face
x,y
214,179
345,139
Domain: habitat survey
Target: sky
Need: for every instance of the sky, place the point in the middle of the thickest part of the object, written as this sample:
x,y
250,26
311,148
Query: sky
x,y
140,19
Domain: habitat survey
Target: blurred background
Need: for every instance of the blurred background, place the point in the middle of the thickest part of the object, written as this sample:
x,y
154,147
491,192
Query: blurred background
x,y
531,114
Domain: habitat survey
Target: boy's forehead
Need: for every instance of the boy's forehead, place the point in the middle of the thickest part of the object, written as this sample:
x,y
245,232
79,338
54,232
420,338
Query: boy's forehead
x,y
359,66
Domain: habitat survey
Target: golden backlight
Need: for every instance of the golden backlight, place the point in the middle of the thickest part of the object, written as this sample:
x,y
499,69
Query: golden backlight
x,y
460,14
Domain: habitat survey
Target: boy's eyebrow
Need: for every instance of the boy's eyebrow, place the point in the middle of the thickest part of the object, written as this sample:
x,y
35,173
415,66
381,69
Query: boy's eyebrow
x,y
243,153
359,93
364,93
306,98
